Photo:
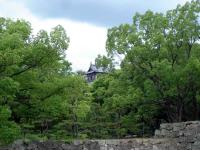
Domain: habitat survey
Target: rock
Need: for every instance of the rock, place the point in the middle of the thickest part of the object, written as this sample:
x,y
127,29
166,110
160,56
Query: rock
x,y
175,136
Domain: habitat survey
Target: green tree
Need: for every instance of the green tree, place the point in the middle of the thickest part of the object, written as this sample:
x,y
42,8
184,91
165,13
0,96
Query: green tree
x,y
37,89
104,62
9,130
159,49
159,76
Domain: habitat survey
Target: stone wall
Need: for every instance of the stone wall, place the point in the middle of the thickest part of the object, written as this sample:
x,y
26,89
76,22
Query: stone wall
x,y
176,136
185,135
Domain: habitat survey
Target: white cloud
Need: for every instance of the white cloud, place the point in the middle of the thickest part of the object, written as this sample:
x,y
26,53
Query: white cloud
x,y
86,40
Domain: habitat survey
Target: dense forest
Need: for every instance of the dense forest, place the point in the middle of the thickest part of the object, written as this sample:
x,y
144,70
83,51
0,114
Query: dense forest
x,y
158,80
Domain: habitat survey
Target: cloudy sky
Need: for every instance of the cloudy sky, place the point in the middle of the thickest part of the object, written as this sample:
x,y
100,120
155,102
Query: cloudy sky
x,y
86,21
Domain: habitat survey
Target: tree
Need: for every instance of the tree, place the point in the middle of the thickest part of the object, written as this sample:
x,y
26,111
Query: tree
x,y
159,49
37,87
104,62
9,129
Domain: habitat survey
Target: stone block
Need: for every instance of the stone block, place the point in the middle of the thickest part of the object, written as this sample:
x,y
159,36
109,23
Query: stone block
x,y
176,136
166,126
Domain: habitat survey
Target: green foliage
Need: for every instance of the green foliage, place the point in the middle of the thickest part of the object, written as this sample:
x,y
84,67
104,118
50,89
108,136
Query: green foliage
x,y
158,48
37,85
9,130
159,76
41,99
104,62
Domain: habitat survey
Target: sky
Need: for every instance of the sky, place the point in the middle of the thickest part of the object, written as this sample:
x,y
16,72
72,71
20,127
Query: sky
x,y
85,21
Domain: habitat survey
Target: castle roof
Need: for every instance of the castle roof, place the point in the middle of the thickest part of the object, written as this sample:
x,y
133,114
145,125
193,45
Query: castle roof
x,y
94,69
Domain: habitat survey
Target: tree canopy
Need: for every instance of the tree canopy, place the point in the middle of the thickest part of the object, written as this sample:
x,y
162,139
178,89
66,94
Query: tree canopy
x,y
37,88
159,76
158,80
